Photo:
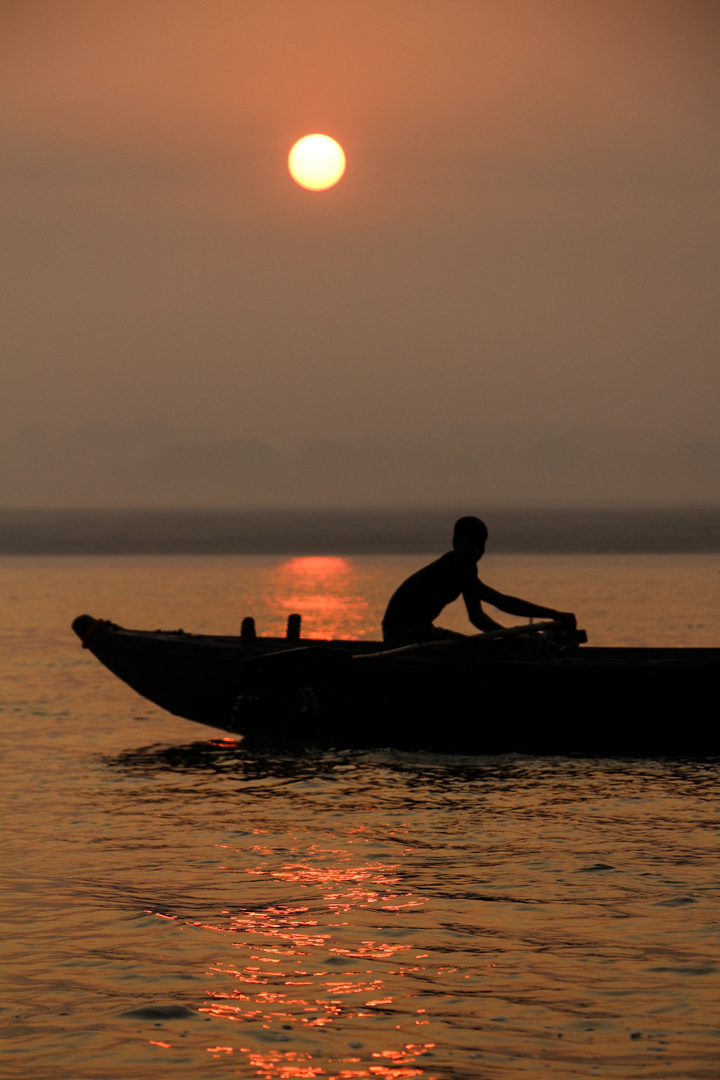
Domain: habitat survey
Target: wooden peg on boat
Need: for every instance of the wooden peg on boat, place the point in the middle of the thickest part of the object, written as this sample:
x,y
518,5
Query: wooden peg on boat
x,y
293,627
247,629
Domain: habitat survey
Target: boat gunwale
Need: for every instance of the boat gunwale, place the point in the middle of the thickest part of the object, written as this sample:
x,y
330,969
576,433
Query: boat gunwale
x,y
595,655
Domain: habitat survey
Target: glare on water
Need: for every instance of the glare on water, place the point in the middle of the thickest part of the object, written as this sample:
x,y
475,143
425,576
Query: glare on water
x,y
173,906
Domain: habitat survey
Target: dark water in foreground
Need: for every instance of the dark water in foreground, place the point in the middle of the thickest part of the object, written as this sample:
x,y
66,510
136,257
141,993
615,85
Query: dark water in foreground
x,y
174,907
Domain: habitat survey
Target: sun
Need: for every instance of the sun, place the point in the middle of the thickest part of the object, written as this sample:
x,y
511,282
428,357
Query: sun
x,y
316,162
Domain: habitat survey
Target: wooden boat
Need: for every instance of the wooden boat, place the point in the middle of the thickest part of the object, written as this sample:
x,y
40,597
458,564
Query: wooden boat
x,y
527,689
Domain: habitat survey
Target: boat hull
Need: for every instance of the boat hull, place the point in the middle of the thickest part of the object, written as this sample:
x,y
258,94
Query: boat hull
x,y
354,695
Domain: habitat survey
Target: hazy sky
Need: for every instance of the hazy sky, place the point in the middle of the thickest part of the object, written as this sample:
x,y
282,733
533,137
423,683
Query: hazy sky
x,y
527,234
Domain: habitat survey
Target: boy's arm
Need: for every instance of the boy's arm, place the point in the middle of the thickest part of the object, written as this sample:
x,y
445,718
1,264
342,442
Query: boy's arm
x,y
479,618
513,605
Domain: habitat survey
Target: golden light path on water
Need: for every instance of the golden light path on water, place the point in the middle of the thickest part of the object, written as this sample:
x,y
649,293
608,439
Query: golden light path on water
x,y
325,591
175,907
288,936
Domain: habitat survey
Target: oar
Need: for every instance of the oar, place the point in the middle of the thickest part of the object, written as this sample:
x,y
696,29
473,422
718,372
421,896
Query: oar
x,y
472,642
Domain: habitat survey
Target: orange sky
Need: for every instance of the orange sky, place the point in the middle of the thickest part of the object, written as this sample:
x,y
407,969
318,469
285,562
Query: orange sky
x,y
526,234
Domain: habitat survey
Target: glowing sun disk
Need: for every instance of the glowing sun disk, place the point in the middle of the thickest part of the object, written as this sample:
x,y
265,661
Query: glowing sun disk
x,y
316,162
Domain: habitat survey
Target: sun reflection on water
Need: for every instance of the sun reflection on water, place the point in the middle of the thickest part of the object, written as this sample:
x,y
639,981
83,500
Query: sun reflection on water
x,y
285,979
298,1064
325,590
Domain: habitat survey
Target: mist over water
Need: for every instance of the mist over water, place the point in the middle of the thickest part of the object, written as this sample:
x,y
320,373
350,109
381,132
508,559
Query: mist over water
x,y
153,464
354,532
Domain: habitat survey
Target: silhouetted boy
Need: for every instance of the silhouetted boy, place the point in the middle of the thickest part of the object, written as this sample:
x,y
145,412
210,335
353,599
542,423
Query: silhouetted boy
x,y
419,600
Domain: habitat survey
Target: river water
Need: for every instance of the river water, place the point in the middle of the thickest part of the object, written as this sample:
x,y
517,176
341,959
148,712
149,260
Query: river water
x,y
172,906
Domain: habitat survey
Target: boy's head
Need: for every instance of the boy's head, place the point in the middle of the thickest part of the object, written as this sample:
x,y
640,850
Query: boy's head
x,y
470,532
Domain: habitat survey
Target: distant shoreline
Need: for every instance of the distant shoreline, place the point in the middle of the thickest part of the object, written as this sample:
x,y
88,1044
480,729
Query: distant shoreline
x,y
353,532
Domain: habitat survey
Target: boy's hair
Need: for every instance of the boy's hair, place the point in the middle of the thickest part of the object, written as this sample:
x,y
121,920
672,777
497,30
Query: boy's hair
x,y
470,528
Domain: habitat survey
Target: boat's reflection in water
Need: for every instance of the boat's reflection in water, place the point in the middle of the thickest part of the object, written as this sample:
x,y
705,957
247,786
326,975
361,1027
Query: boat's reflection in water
x,y
227,756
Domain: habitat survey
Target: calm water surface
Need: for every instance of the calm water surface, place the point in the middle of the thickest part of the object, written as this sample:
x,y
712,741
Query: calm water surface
x,y
175,907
